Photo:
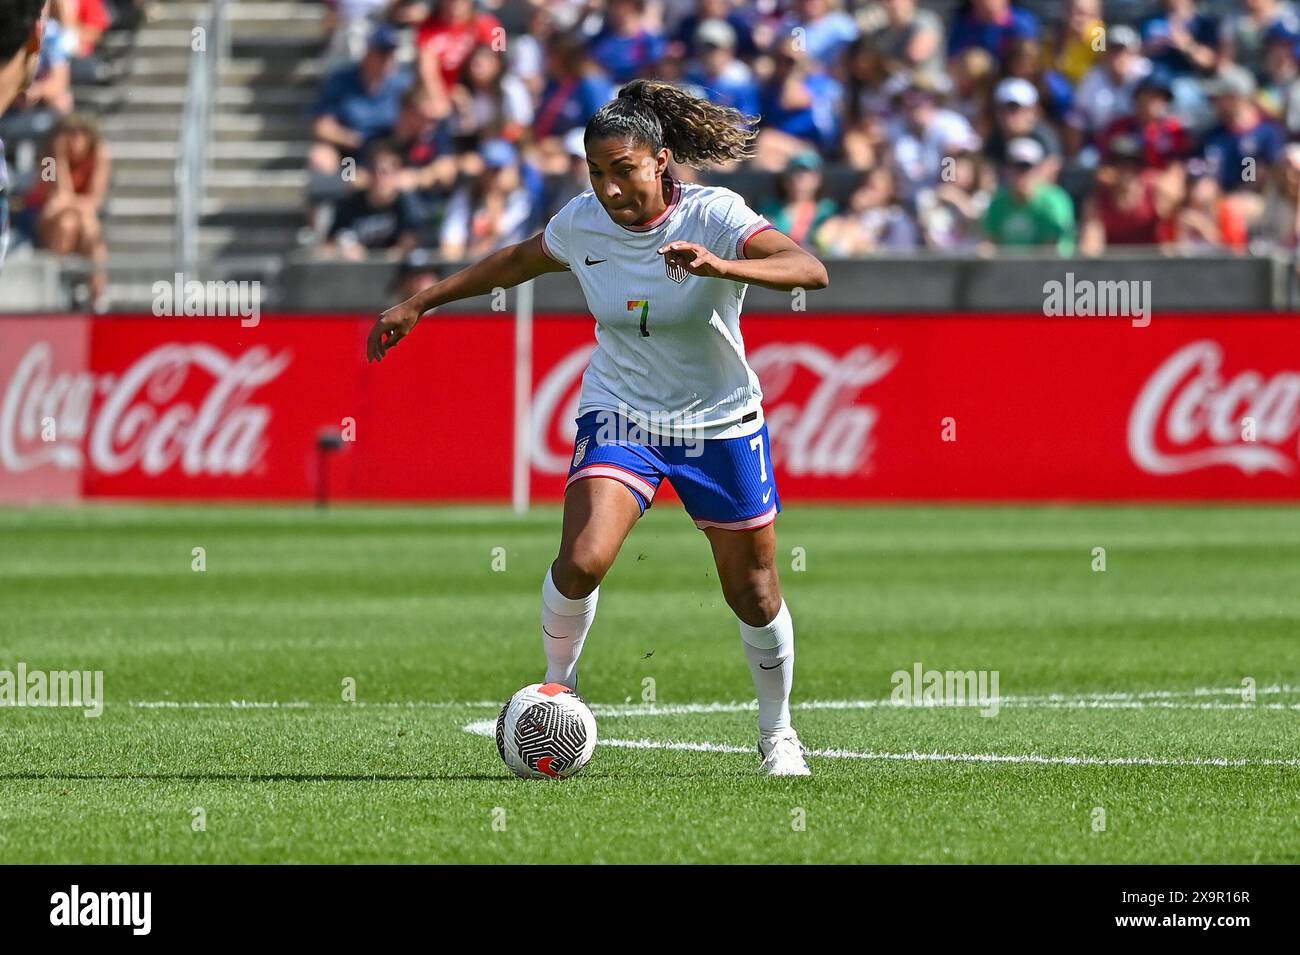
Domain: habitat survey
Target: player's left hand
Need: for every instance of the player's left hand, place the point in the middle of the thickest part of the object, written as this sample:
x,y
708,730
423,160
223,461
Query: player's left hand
x,y
694,258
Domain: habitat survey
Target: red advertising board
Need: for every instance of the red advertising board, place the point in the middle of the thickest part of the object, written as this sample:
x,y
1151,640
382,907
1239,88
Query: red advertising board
x,y
908,407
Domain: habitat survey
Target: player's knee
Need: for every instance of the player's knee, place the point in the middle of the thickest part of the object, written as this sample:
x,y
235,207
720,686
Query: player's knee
x,y
755,599
577,573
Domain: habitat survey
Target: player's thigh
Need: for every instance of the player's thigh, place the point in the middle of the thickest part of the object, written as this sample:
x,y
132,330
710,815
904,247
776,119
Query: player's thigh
x,y
598,515
746,562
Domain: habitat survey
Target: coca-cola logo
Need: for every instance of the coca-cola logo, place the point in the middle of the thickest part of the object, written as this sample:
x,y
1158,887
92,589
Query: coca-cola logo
x,y
1191,415
68,419
819,426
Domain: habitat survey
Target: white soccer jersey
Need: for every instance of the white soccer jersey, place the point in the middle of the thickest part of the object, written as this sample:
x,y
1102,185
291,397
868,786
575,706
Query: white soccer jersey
x,y
669,353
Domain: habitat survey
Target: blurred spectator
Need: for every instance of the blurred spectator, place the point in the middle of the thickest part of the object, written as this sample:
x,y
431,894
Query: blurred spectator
x,y
64,204
1161,135
569,176
718,75
974,77
490,212
991,25
1245,143
348,23
949,215
1204,221
1280,90
1106,92
423,138
868,103
737,16
823,29
1244,34
1027,210
1076,43
380,217
575,90
1182,40
358,102
923,135
447,38
799,208
1131,203
51,89
414,275
910,39
1016,115
1055,93
627,46
87,20
876,221
800,106
489,102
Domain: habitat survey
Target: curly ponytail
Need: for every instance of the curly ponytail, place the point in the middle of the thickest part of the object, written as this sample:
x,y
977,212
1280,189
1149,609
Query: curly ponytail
x,y
657,114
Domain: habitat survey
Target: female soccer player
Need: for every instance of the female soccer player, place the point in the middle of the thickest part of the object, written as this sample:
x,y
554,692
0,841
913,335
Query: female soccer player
x,y
668,394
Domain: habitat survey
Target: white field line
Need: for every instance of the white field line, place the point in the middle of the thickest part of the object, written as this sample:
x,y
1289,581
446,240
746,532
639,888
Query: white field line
x,y
1148,699
488,728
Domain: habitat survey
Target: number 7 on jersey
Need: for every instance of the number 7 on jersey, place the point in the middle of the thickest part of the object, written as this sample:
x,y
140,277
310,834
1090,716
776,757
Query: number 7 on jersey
x,y
644,305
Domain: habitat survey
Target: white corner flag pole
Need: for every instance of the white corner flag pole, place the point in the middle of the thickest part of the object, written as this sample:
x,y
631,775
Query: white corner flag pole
x,y
523,398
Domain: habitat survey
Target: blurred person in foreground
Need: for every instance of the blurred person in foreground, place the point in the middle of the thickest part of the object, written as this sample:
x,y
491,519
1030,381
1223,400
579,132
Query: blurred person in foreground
x,y
1106,92
1242,148
1027,211
1204,222
1132,204
66,208
800,105
22,26
492,210
876,220
379,218
799,208
358,103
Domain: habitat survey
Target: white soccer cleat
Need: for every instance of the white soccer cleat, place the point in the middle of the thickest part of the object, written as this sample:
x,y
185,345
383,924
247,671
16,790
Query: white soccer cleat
x,y
783,755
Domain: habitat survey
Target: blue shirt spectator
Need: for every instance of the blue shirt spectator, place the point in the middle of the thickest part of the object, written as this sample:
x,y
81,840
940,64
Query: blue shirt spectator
x,y
991,25
369,108
1159,46
626,47
826,33
818,122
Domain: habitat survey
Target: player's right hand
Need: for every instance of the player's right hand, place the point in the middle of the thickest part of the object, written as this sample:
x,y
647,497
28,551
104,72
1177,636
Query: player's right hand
x,y
390,328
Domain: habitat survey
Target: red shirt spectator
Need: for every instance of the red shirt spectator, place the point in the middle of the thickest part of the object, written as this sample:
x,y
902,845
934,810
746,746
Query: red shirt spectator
x,y
92,20
1163,140
450,35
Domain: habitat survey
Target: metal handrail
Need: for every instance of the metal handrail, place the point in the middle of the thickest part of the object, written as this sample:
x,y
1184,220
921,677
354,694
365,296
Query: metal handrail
x,y
196,132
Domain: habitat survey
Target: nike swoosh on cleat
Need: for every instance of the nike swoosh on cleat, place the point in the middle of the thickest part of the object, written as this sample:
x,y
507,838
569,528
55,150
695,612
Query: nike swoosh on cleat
x,y
760,666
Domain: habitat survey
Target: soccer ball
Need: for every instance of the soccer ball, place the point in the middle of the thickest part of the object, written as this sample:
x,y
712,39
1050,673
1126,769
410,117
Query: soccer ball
x,y
546,731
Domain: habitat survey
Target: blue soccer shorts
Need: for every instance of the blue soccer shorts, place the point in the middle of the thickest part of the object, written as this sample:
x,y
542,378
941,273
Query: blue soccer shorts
x,y
723,482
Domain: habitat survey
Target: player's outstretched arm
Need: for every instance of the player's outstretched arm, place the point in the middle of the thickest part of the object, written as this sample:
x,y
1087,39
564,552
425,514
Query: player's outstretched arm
x,y
772,259
505,268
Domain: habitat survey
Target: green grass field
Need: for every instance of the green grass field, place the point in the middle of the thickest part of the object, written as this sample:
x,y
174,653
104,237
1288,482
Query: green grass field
x,y
1134,672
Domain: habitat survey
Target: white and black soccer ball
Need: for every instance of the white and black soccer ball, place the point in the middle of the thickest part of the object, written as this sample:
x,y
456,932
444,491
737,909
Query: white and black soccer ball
x,y
546,731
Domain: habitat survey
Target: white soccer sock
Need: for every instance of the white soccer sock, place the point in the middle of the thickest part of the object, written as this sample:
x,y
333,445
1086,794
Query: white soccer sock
x,y
565,622
770,651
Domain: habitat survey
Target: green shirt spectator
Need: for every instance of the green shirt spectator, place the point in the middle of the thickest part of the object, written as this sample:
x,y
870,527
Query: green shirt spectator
x,y
1027,212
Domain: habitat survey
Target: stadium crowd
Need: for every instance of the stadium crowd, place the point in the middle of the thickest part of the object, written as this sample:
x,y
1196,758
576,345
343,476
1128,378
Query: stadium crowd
x,y
60,160
456,127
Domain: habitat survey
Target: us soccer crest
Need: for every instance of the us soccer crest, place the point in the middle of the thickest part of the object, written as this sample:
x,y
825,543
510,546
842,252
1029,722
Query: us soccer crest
x,y
580,451
676,272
